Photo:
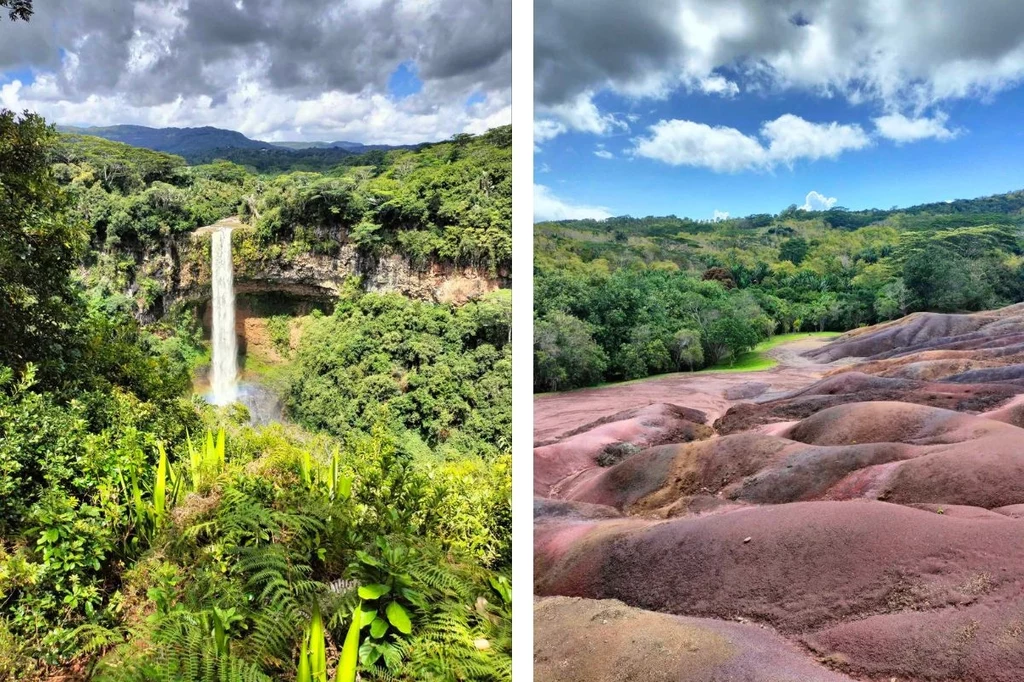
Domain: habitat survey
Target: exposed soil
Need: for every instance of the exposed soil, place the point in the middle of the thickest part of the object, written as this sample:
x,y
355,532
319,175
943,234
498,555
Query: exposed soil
x,y
586,640
864,500
558,414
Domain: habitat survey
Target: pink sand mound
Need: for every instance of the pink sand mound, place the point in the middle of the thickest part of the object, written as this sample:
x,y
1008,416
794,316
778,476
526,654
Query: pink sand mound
x,y
639,428
803,567
873,514
898,452
982,641
853,386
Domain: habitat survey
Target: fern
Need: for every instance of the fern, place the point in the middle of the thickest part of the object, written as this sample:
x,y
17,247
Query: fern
x,y
180,649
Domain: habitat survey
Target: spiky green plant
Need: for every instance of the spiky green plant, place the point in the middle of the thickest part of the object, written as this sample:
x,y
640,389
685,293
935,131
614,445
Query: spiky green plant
x,y
317,646
346,671
207,462
305,670
160,487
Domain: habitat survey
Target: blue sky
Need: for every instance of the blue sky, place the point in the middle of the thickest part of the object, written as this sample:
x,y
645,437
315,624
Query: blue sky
x,y
738,128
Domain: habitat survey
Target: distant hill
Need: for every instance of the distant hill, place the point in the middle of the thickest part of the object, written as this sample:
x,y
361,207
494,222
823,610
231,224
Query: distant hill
x,y
1005,208
202,145
355,147
185,142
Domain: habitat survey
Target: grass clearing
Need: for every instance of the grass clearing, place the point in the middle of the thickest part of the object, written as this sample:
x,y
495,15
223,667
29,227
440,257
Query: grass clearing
x,y
757,360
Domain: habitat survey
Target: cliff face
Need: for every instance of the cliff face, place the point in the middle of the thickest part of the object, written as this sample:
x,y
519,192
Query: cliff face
x,y
180,273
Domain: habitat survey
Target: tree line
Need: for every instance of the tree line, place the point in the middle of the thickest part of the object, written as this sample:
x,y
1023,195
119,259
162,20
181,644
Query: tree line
x,y
630,297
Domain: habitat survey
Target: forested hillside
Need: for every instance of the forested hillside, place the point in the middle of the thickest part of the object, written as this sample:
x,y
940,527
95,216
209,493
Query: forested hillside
x,y
450,201
630,297
147,535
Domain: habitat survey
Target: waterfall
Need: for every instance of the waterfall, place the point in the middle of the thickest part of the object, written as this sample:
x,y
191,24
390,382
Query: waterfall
x,y
225,343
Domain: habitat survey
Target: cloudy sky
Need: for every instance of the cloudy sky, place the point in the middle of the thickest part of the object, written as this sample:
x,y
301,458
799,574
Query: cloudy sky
x,y
703,108
386,71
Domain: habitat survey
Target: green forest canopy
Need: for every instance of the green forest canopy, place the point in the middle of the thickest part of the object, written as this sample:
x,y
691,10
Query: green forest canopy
x,y
449,202
626,297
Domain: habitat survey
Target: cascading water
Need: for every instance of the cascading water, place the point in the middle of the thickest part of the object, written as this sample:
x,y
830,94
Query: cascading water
x,y
225,344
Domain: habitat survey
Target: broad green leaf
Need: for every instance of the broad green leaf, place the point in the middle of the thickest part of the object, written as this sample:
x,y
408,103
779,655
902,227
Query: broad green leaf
x,y
399,617
373,591
369,653
344,487
379,627
367,559
367,616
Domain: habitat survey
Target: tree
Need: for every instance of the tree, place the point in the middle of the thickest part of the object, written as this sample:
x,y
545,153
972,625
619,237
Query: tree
x,y
645,354
825,308
730,336
18,9
942,280
794,250
565,354
686,349
39,247
893,300
720,275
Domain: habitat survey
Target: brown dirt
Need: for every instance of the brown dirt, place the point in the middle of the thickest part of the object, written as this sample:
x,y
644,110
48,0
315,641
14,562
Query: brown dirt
x,y
586,640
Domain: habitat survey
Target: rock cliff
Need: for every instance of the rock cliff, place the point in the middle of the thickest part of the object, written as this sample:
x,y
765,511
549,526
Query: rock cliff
x,y
178,272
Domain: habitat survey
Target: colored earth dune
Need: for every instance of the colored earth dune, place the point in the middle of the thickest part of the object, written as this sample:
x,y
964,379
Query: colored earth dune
x,y
854,513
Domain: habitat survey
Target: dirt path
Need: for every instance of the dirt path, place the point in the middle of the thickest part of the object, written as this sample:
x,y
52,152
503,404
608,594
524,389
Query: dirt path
x,y
556,414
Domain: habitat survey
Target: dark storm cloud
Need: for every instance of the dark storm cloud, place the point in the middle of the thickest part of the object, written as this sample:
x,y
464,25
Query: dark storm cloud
x,y
902,53
154,51
578,46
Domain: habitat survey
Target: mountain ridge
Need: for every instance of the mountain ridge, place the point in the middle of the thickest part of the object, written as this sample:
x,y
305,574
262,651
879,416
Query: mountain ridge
x,y
197,144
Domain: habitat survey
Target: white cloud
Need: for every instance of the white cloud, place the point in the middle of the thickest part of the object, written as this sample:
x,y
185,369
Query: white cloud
x,y
687,143
271,116
582,114
717,85
720,215
546,129
261,68
900,129
902,56
816,201
603,153
546,206
792,138
722,149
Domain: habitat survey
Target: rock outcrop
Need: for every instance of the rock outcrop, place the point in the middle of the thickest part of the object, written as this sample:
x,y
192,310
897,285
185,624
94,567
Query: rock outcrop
x,y
178,271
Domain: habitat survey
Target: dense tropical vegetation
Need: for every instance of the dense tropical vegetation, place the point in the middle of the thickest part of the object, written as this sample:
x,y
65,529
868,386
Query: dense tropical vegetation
x,y
630,297
449,202
145,535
